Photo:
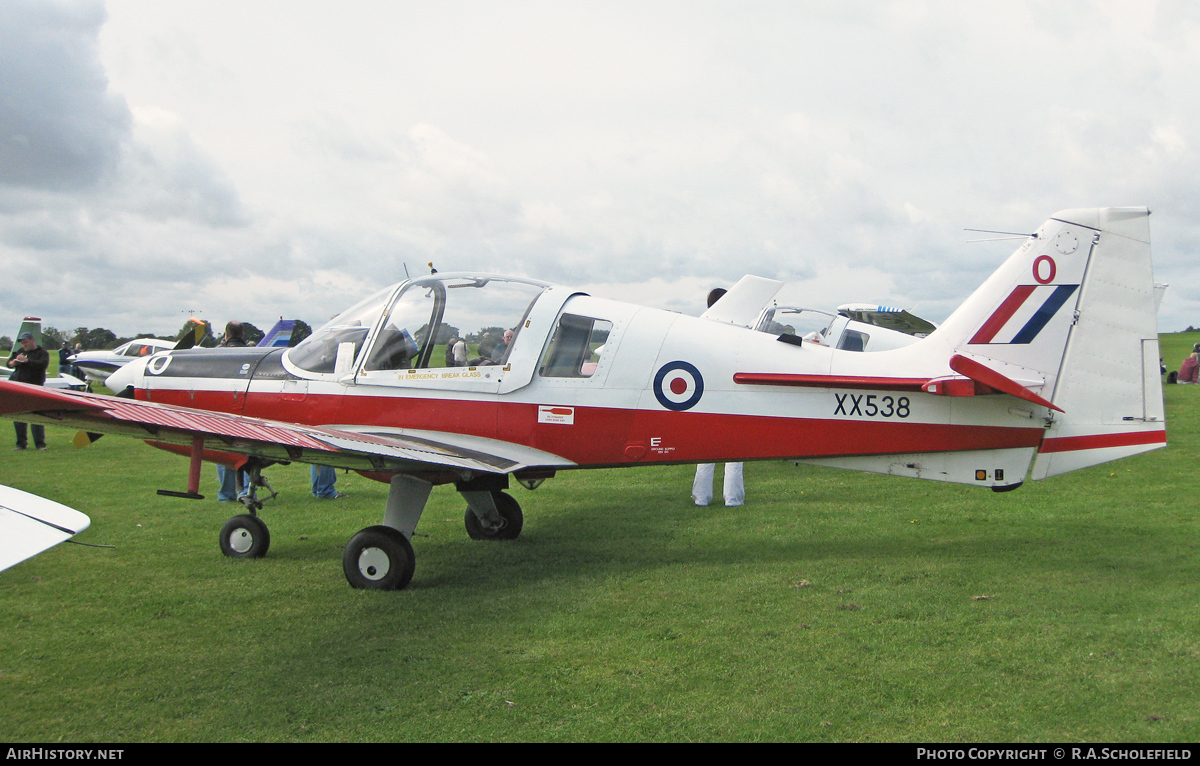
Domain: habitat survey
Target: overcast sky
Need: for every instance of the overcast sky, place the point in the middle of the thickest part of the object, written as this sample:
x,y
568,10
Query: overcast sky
x,y
254,159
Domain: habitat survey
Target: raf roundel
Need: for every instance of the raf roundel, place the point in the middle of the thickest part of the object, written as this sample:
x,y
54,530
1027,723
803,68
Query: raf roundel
x,y
678,386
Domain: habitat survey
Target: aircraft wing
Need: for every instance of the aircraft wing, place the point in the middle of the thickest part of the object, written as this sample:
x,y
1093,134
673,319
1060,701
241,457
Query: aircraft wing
x,y
361,449
30,524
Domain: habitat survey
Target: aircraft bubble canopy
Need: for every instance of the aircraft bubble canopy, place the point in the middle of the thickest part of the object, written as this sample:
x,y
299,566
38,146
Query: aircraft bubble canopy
x,y
410,325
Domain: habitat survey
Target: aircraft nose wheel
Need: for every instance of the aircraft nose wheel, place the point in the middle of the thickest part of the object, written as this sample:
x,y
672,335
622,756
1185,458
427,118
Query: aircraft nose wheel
x,y
510,512
379,558
245,537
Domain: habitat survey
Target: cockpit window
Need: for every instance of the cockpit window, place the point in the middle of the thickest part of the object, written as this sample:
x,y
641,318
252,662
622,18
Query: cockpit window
x,y
405,332
318,352
784,320
576,347
853,340
892,319
453,322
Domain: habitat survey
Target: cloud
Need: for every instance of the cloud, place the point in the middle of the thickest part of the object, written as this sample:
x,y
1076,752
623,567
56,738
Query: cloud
x,y
98,203
164,174
840,148
60,128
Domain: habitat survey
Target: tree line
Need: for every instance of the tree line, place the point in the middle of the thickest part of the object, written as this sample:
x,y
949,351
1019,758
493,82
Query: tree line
x,y
101,338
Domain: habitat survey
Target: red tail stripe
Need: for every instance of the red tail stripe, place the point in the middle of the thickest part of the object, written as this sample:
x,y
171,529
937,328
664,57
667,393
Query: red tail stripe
x,y
1003,314
1100,441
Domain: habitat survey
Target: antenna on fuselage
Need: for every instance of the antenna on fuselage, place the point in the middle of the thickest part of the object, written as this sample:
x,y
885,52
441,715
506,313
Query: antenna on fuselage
x,y
1015,235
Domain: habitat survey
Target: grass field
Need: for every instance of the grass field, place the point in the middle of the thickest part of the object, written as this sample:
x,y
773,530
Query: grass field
x,y
834,606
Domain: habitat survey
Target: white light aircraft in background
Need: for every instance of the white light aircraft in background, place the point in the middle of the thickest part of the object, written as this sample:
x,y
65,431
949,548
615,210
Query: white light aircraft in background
x,y
1050,366
855,326
98,365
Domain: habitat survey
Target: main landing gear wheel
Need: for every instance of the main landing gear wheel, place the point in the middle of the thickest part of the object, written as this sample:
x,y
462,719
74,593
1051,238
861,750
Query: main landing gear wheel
x,y
510,512
245,537
379,558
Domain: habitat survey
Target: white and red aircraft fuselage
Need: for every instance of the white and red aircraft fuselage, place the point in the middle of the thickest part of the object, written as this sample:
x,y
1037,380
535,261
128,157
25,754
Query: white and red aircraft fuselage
x,y
1050,366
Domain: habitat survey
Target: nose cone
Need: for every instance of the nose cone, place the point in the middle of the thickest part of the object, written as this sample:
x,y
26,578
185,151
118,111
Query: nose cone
x,y
127,376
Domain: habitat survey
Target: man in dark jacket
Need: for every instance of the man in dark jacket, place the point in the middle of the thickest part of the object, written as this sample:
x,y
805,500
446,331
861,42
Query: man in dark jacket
x,y
29,364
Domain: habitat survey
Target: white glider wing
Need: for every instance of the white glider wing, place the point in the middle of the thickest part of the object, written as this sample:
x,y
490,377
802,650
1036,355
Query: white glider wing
x,y
30,524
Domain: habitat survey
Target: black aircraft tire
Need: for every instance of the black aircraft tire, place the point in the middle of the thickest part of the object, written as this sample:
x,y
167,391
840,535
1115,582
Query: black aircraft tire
x,y
379,558
245,537
510,511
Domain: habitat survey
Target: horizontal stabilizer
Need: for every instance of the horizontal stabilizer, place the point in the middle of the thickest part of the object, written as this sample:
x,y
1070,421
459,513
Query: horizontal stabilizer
x,y
983,374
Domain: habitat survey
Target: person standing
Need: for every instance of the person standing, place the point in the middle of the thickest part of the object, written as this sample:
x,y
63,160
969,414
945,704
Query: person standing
x,y
29,365
64,360
235,337
324,478
734,489
702,485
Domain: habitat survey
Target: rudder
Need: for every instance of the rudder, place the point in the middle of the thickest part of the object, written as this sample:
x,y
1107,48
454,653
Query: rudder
x,y
1071,318
1110,386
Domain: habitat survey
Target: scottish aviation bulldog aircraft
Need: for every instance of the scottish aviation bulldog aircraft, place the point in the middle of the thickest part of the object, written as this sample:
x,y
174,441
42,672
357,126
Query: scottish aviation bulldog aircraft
x,y
1050,366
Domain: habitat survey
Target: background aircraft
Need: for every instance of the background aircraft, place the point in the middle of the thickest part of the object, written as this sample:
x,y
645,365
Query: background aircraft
x,y
60,381
98,365
1031,377
279,336
855,326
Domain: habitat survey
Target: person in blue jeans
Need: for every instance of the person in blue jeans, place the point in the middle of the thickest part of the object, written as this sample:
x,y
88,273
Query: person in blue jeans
x,y
228,478
323,480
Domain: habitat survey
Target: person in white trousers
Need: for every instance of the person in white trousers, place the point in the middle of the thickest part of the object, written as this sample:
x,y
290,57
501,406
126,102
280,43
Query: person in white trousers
x,y
702,486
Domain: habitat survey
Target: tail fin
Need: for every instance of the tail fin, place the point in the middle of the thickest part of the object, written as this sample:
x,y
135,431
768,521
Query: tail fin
x,y
279,336
192,336
1071,316
31,325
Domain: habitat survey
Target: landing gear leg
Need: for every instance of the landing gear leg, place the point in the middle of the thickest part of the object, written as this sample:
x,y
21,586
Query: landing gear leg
x,y
492,516
249,497
246,536
381,557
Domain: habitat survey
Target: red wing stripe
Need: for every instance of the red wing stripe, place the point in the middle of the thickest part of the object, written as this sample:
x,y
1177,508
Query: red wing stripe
x,y
1100,441
829,381
210,422
1001,316
24,397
